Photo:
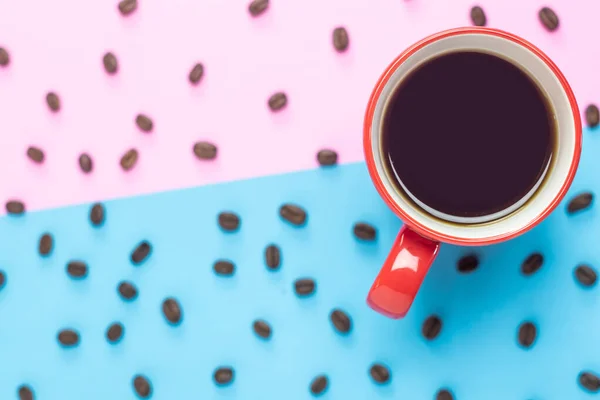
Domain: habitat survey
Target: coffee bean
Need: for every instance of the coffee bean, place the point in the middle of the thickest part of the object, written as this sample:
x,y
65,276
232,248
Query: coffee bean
x,y
25,393
127,290
327,157
304,287
527,334
468,263
53,101
444,394
129,159
97,214
273,257
379,373
126,7
340,39
319,385
586,275
580,202
2,279
172,311
141,252
589,381
548,18
15,207
340,320
258,7
478,16
262,328
35,154
364,231
45,244
532,263
85,163
431,327
277,101
205,150
224,268
223,376
142,386
144,122
77,269
114,333
111,65
293,214
4,57
592,116
228,221
68,338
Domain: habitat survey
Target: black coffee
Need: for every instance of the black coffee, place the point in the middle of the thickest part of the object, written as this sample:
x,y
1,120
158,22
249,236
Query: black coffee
x,y
468,134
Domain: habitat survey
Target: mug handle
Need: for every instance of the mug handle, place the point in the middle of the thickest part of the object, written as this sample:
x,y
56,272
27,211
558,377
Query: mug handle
x,y
396,286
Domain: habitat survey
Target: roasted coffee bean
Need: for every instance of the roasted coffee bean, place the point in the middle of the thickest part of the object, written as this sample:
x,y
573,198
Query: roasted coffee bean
x,y
327,157
228,221
4,57
548,18
340,39
45,245
85,163
15,207
586,275
142,386
527,334
2,279
589,381
293,214
468,263
532,263
111,65
304,287
364,231
478,16
68,338
141,252
129,159
126,7
444,394
114,333
144,122
592,116
223,375
25,393
580,202
319,385
277,101
127,290
258,7
172,311
35,154
205,150
196,74
340,320
77,269
53,101
224,268
379,373
262,328
272,257
97,214
431,327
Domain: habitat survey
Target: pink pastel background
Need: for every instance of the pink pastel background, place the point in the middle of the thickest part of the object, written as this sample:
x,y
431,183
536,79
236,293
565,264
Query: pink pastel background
x,y
58,45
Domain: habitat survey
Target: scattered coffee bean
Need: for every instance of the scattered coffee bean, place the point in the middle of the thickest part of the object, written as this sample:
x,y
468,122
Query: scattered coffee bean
x,y
142,386
327,157
340,39
549,19
111,65
364,231
586,275
592,116
304,287
196,74
223,376
129,159
272,257
224,268
262,328
228,221
2,279
444,394
4,57
68,338
478,16
141,252
45,244
77,269
127,290
580,202
258,7
340,320
126,7
293,214
527,334
379,373
35,154
319,385
468,263
97,214
25,393
589,381
277,101
85,163
114,333
53,101
144,122
532,263
172,311
431,327
205,150
15,207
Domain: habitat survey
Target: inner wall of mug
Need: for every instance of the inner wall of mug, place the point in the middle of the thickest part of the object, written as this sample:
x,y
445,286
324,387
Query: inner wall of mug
x,y
536,201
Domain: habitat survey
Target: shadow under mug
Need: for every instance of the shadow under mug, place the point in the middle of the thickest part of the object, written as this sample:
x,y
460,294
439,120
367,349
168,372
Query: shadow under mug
x,y
418,242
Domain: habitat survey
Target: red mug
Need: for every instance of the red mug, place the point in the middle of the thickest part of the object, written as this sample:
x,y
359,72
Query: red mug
x,y
418,242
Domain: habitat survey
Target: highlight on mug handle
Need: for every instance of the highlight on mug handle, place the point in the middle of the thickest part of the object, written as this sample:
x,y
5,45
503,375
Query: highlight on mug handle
x,y
402,274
